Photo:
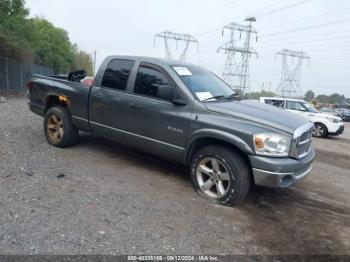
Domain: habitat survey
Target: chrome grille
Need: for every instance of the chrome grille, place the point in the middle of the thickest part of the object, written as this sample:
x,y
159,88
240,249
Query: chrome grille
x,y
302,141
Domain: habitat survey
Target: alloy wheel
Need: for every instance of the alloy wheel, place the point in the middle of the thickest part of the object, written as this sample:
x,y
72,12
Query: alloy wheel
x,y
318,131
212,177
55,128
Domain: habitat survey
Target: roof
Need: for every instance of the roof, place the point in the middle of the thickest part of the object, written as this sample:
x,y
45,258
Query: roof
x,y
153,60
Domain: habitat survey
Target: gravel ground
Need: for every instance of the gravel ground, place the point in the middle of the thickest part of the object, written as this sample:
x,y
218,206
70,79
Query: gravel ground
x,y
112,200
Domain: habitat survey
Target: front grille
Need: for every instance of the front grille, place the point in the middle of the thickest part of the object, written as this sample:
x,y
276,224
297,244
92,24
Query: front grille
x,y
302,141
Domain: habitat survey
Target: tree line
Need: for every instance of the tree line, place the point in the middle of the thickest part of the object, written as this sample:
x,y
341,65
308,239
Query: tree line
x,y
329,99
37,40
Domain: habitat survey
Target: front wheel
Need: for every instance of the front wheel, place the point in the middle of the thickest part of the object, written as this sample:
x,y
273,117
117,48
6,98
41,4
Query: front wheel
x,y
319,130
220,175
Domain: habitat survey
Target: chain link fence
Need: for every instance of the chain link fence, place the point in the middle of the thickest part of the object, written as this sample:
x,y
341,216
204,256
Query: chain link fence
x,y
15,74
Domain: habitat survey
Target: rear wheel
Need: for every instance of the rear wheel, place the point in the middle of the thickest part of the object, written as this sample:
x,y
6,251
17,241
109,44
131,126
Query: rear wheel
x,y
319,130
220,175
58,127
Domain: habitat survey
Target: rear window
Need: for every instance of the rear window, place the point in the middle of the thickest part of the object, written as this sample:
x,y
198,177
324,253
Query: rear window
x,y
117,74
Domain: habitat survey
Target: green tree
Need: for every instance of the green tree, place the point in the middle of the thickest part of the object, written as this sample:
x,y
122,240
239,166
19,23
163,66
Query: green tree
x,y
332,99
263,93
51,45
14,29
82,60
309,95
36,39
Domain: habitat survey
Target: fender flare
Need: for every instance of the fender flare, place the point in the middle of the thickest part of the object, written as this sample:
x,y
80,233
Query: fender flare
x,y
219,135
63,99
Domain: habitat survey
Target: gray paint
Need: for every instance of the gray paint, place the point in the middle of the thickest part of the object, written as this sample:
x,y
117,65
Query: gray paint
x,y
164,128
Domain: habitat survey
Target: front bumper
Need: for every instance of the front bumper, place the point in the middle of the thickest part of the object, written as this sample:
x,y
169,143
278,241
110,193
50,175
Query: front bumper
x,y
334,128
339,131
280,172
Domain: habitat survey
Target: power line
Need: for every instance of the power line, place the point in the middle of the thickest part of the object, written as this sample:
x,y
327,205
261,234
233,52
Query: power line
x,y
306,28
313,17
208,13
216,29
271,12
283,8
310,42
209,31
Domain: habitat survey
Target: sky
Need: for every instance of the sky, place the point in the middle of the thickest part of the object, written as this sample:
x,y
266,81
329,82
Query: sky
x,y
321,28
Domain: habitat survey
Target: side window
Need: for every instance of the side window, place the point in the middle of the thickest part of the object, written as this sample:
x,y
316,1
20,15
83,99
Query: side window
x,y
294,105
278,103
148,80
117,74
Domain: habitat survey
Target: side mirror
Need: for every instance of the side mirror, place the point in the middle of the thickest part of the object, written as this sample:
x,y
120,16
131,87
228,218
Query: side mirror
x,y
167,92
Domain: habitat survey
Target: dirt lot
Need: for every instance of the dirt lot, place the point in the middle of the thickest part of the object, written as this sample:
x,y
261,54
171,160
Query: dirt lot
x,y
115,201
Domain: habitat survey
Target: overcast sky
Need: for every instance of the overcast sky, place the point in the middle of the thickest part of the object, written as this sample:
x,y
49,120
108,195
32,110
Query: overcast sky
x,y
321,28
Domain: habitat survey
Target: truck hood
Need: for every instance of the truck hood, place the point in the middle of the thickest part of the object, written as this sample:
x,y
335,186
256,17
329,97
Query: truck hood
x,y
260,113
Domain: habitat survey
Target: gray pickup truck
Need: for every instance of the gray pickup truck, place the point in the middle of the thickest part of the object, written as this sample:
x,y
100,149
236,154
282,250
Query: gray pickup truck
x,y
183,113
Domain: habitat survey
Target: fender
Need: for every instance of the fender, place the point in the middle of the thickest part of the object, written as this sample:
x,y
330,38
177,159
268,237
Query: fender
x,y
62,99
220,135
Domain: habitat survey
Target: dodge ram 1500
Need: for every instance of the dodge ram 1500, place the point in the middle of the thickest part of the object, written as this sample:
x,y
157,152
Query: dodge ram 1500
x,y
184,113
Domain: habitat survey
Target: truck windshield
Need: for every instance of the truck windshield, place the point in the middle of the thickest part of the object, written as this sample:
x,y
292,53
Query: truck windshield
x,y
205,85
310,108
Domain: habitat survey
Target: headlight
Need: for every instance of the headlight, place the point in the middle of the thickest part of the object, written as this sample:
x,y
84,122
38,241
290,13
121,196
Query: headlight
x,y
333,120
272,144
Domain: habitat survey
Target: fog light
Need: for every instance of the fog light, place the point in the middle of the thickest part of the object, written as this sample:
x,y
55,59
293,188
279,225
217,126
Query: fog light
x,y
286,181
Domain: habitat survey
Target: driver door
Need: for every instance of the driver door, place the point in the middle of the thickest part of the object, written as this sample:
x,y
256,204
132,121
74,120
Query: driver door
x,y
153,124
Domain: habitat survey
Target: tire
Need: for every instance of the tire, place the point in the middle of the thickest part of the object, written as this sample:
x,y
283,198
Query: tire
x,y
58,127
235,181
320,130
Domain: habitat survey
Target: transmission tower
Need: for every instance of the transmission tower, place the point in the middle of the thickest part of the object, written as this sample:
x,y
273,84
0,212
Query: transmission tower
x,y
289,85
236,70
186,38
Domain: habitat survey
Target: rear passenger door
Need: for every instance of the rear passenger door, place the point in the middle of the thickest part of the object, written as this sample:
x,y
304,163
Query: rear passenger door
x,y
108,105
153,124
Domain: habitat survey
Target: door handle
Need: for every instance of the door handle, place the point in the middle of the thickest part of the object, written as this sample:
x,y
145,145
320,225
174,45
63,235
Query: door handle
x,y
135,106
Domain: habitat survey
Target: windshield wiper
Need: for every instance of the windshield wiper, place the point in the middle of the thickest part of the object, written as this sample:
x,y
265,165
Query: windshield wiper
x,y
233,96
214,97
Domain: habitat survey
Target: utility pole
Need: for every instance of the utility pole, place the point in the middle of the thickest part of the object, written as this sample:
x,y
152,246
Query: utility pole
x,y
236,70
289,85
95,53
186,38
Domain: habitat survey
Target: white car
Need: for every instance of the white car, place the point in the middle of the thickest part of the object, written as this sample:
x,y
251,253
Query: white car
x,y
324,124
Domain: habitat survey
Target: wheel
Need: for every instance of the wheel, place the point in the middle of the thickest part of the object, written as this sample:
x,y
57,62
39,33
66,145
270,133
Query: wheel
x,y
220,175
58,127
319,130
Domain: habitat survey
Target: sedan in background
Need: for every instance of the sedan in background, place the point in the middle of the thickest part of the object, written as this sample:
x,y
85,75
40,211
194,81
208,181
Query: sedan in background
x,y
344,114
330,111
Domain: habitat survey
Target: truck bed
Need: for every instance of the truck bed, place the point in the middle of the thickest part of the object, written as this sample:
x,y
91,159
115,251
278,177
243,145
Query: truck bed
x,y
47,89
